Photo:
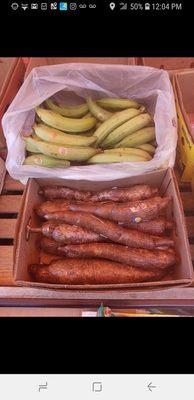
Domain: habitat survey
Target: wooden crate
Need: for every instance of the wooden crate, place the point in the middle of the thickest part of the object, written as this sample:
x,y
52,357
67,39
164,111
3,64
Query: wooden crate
x,y
11,295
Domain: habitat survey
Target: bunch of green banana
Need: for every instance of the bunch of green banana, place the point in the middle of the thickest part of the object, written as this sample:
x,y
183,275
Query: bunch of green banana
x,y
137,138
126,129
113,122
80,133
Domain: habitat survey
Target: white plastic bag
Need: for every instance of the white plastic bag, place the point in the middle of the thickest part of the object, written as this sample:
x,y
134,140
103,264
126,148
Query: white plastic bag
x,y
147,85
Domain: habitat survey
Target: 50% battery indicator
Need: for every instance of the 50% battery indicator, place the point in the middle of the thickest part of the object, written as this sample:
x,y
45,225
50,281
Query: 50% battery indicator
x,y
136,7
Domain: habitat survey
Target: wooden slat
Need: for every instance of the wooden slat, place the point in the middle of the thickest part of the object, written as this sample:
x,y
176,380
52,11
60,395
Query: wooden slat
x,y
11,184
190,226
188,201
7,228
42,312
26,296
58,312
10,204
6,265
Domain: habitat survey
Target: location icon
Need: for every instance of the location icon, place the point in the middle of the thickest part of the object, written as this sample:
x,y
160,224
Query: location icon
x,y
112,6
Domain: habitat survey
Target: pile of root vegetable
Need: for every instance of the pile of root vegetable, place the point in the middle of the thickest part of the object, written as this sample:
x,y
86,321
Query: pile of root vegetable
x,y
114,236
109,130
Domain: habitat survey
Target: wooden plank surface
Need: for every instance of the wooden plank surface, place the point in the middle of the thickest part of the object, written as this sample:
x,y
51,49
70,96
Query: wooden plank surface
x,y
10,203
6,265
7,228
41,312
60,312
12,184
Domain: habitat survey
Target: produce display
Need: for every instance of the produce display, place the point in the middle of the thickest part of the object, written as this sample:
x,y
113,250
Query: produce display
x,y
109,130
113,236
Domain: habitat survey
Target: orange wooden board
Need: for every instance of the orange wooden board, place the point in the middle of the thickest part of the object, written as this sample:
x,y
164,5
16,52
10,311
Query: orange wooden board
x,y
7,228
10,203
12,184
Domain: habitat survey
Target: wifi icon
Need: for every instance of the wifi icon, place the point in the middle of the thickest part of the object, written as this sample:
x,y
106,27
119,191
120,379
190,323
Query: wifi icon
x,y
24,6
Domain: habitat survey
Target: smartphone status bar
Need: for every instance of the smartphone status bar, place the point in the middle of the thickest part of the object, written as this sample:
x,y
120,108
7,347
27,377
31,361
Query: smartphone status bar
x,y
70,8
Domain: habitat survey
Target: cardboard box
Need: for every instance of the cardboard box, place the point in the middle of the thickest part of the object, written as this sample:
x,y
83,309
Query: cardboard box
x,y
172,65
168,63
184,99
12,72
40,61
26,250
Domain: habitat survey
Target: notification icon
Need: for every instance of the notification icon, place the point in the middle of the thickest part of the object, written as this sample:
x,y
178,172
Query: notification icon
x,y
112,6
73,6
63,6
14,6
53,6
43,6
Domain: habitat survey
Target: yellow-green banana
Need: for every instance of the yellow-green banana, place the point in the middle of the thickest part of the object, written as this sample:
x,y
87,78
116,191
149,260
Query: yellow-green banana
x,y
45,161
97,111
117,104
137,138
30,144
57,121
71,153
129,151
58,137
106,158
68,111
126,129
112,123
147,147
